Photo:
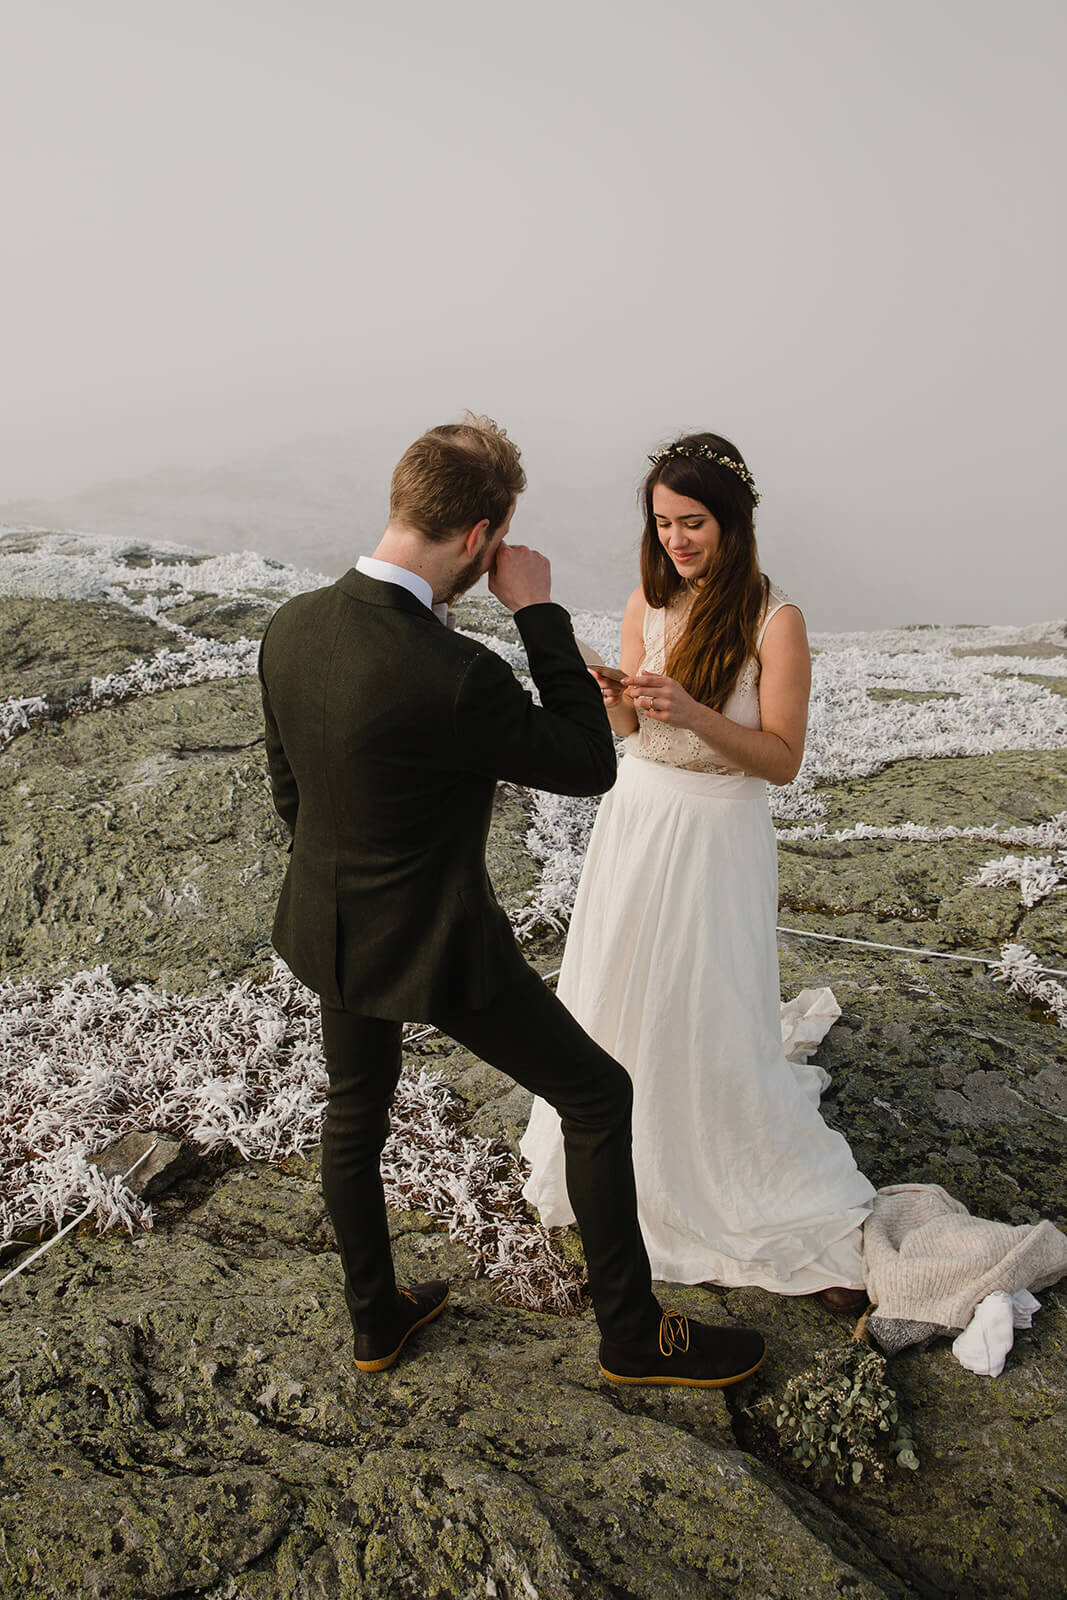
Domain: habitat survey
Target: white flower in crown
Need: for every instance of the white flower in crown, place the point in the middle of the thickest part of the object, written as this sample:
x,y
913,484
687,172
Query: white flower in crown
x,y
675,451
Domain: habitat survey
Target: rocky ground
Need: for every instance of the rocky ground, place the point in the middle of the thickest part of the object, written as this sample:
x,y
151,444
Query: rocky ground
x,y
178,1411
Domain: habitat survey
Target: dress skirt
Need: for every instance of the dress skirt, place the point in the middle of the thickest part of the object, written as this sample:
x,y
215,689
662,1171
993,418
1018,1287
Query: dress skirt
x,y
671,965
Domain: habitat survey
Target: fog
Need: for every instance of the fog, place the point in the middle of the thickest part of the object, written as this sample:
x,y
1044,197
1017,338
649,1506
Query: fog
x,y
252,249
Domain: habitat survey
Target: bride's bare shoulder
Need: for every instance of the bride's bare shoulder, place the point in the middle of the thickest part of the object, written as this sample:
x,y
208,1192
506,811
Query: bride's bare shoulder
x,y
635,606
633,631
633,618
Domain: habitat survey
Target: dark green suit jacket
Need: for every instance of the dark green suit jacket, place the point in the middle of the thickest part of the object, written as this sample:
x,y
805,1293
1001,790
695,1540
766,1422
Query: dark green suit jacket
x,y
386,735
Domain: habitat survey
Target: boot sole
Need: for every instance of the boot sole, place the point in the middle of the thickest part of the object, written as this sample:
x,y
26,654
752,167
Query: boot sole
x,y
686,1383
387,1361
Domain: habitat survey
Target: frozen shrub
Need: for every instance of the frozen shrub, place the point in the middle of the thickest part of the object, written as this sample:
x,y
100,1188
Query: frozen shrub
x,y
840,1418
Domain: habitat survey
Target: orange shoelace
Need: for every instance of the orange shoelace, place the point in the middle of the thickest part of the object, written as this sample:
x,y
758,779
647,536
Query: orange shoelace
x,y
673,1333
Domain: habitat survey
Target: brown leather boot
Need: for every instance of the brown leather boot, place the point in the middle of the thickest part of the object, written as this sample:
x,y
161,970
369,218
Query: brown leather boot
x,y
841,1299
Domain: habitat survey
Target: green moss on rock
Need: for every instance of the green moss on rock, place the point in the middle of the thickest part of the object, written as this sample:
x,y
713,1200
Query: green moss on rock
x,y
54,647
1002,790
216,617
914,696
142,835
203,1397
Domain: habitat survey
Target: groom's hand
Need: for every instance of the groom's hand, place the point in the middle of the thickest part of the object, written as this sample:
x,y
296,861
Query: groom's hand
x,y
520,577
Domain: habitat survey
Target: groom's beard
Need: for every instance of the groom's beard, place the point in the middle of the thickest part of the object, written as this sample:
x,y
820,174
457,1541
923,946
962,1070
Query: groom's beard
x,y
468,575
464,579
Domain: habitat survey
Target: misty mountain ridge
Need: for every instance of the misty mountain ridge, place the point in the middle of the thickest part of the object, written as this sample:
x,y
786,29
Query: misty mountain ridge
x,y
315,503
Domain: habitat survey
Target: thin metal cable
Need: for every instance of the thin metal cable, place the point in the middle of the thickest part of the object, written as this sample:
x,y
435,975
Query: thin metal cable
x,y
909,950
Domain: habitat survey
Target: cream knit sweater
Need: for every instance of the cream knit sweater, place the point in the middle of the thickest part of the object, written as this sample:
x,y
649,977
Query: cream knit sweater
x,y
926,1259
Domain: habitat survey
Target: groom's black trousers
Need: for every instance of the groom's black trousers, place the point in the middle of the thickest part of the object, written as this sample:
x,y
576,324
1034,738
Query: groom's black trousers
x,y
530,1035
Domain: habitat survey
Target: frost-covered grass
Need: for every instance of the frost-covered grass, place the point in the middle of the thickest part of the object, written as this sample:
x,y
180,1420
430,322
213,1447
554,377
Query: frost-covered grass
x,y
19,714
557,840
84,1062
39,564
1039,835
1037,876
1019,969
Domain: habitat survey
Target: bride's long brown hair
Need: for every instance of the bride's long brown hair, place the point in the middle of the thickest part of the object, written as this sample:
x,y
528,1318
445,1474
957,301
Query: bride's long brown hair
x,y
721,631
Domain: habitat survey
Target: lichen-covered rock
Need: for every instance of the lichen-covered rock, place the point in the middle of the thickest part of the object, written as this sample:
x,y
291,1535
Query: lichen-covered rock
x,y
54,647
893,880
481,614
202,1374
149,1162
1043,929
216,617
142,834
916,697
188,1411
940,1076
983,1516
1005,789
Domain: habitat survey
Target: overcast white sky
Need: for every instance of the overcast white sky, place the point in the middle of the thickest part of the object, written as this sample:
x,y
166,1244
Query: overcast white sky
x,y
832,231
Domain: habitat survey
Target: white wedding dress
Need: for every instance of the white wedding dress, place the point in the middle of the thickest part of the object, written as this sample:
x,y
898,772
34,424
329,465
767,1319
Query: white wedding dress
x,y
671,965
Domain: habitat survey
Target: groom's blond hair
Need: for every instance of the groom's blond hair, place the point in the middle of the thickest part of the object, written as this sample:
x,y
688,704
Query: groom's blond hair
x,y
455,476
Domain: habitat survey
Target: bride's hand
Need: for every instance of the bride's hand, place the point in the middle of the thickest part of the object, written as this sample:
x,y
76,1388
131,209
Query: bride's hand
x,y
661,698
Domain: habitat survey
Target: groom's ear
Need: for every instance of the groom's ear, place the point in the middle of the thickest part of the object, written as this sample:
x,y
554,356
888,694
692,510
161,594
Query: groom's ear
x,y
475,540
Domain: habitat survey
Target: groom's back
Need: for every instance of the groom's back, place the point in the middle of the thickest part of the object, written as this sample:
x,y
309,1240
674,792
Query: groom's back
x,y
361,683
363,694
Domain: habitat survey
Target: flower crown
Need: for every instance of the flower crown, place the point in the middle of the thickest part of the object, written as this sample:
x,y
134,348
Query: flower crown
x,y
706,453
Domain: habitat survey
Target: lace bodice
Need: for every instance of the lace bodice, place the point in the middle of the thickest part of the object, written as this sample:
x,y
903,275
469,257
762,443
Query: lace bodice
x,y
677,747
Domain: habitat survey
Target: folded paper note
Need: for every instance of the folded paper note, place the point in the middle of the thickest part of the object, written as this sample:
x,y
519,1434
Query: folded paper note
x,y
591,659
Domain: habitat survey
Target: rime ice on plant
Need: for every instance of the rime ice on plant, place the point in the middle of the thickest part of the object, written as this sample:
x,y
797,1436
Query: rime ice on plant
x,y
1019,969
84,1061
1037,876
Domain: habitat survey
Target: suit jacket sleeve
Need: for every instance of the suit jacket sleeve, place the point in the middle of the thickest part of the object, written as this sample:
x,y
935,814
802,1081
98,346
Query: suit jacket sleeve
x,y
283,787
565,744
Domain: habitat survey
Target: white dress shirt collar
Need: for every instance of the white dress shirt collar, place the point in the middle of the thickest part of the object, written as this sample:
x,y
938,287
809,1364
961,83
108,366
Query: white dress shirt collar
x,y
386,572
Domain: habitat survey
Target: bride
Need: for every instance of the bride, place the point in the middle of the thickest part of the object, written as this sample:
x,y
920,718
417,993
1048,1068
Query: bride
x,y
671,962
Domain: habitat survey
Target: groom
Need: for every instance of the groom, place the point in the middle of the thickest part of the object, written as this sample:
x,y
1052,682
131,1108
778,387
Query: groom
x,y
386,734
